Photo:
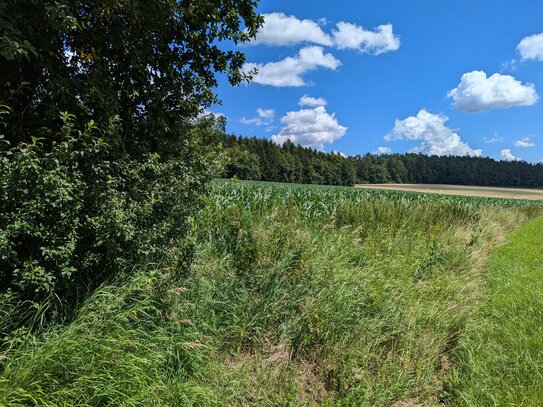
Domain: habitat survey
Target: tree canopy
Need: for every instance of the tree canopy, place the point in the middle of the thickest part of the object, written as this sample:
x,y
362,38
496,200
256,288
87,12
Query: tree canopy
x,y
102,163
149,65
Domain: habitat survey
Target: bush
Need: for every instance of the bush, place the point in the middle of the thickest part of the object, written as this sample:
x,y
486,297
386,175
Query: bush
x,y
77,214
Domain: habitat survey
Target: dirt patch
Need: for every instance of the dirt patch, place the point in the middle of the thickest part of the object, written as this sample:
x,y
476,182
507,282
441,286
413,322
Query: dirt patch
x,y
407,403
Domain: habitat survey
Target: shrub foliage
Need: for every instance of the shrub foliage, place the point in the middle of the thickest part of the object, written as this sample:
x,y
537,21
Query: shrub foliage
x,y
102,155
78,214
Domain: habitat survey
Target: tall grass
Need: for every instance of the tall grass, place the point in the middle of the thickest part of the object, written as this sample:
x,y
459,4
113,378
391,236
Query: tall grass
x,y
297,296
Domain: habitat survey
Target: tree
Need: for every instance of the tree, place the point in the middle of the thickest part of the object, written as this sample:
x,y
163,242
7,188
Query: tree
x,y
105,159
396,168
242,164
150,64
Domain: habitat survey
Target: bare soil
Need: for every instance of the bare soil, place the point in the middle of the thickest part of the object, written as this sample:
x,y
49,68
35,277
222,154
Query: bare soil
x,y
492,192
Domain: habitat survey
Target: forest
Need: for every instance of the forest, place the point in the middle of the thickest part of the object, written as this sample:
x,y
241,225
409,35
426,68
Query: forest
x,y
263,160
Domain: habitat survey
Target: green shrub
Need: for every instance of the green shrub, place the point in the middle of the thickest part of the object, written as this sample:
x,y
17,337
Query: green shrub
x,y
76,213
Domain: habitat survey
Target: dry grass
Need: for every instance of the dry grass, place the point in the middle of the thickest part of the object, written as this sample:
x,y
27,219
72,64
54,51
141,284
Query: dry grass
x,y
462,190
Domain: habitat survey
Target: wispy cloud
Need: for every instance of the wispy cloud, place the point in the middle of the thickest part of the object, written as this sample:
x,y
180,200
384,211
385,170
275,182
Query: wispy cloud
x,y
492,140
525,142
264,118
306,100
383,150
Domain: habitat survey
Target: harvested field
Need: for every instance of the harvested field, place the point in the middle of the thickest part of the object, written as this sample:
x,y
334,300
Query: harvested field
x,y
491,192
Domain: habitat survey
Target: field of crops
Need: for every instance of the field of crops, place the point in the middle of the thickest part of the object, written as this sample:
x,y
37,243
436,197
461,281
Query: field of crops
x,y
305,197
298,295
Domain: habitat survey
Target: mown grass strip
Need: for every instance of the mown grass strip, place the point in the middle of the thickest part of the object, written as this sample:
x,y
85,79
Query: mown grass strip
x,y
501,358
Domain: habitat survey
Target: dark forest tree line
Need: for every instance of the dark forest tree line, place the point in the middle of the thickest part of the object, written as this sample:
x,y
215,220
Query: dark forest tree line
x,y
261,159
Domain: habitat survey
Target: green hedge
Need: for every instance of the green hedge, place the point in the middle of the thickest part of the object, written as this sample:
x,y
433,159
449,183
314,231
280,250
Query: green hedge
x,y
76,213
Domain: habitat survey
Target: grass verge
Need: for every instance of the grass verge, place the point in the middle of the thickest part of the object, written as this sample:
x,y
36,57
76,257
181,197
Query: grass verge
x,y
500,359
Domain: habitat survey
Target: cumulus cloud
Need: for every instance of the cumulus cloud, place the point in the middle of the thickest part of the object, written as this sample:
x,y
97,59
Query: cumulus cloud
x,y
525,142
437,139
383,150
531,47
376,42
264,117
306,100
477,93
289,71
280,29
310,128
508,156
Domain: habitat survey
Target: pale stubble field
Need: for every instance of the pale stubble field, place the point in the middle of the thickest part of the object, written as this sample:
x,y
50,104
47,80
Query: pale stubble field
x,y
463,190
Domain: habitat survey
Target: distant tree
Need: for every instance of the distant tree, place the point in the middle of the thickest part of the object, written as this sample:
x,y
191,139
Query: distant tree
x,y
396,168
294,163
242,164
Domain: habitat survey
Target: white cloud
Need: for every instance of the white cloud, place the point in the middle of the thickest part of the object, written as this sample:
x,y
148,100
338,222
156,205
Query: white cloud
x,y
207,112
265,113
477,93
310,128
306,100
340,153
508,156
383,150
437,139
280,29
494,139
509,66
289,71
264,118
525,142
531,47
376,42
254,120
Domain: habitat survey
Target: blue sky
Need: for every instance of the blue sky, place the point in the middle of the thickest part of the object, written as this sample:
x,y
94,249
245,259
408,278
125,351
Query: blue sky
x,y
437,77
